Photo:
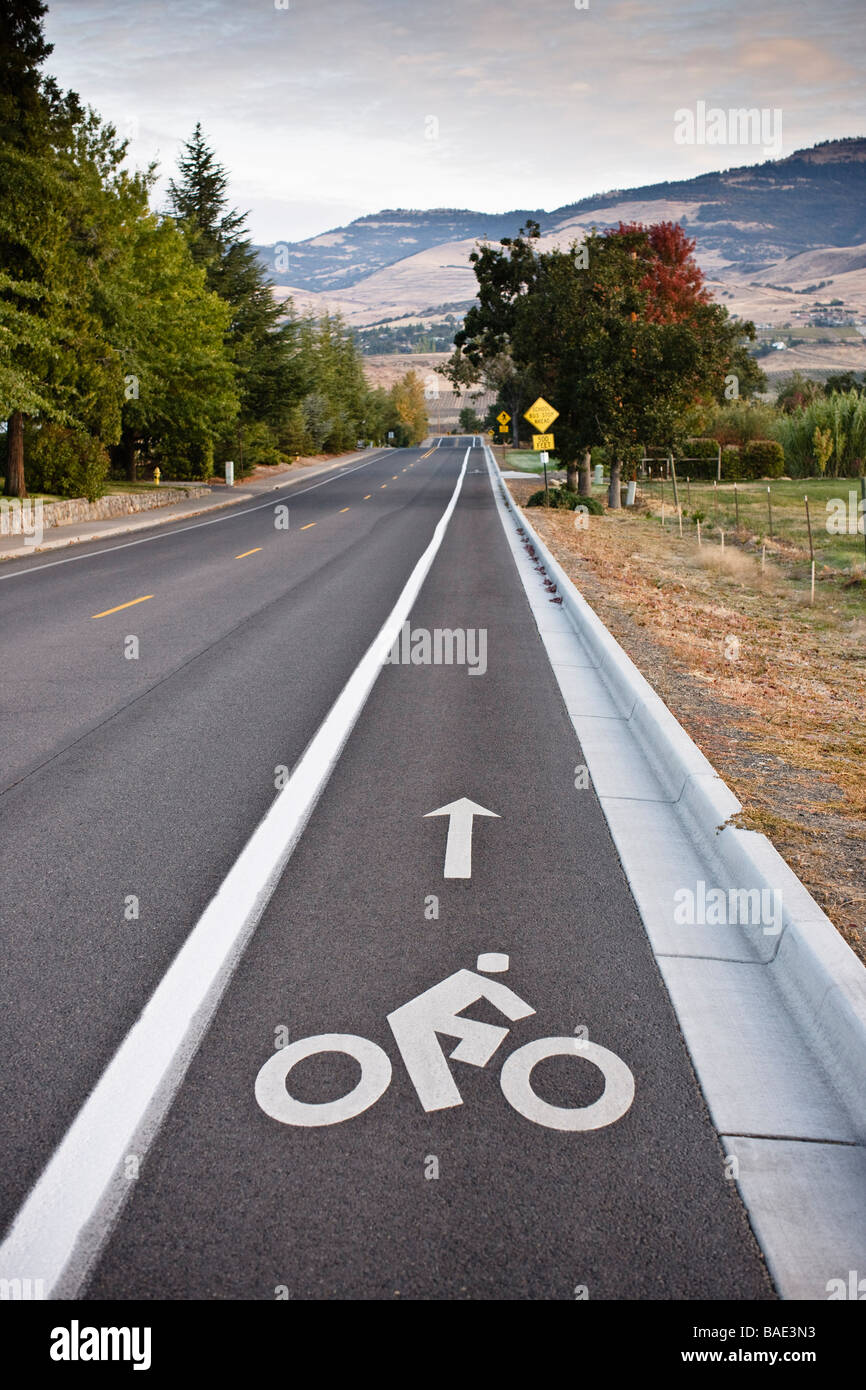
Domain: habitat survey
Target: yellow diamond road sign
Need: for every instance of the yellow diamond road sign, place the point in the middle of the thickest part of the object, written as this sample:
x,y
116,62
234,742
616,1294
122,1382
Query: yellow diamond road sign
x,y
542,441
541,414
503,417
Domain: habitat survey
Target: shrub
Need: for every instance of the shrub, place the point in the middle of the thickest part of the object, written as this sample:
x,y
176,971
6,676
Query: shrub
x,y
705,451
67,462
701,448
763,458
186,458
561,497
295,437
699,459
251,445
737,422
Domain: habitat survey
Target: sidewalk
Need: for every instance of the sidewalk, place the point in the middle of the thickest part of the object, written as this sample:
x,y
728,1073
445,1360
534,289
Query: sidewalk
x,y
77,533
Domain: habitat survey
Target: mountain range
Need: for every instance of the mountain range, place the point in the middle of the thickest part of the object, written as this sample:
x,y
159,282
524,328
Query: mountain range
x,y
784,242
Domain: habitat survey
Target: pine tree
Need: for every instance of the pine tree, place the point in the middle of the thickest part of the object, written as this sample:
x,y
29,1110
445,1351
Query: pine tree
x,y
258,344
23,50
199,202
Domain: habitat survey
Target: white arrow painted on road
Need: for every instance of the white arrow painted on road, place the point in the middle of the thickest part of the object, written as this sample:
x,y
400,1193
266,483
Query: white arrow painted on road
x,y
458,850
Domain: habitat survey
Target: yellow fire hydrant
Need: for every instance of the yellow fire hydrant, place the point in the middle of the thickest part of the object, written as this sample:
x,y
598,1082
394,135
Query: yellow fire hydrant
x,y
156,476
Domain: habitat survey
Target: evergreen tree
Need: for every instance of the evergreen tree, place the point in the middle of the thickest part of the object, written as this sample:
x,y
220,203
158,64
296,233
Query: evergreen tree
x,y
258,344
199,202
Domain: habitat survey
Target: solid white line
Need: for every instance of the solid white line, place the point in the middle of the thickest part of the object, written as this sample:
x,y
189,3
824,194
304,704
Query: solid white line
x,y
65,1219
194,526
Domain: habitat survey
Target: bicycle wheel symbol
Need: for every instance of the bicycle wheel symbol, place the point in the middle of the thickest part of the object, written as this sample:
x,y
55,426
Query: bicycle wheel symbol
x,y
417,1028
273,1097
614,1101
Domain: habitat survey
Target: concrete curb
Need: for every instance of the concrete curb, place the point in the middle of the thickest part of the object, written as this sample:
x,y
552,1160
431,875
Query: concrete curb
x,y
822,980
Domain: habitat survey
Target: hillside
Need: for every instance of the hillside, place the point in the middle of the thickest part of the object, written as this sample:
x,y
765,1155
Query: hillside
x,y
782,242
341,257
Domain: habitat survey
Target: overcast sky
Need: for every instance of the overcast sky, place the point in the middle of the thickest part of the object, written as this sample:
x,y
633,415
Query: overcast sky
x,y
328,109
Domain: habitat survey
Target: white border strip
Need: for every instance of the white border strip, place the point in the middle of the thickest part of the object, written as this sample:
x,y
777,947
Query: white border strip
x,y
68,1214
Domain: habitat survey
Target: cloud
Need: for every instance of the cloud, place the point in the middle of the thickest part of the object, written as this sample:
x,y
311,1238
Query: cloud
x,y
798,59
320,111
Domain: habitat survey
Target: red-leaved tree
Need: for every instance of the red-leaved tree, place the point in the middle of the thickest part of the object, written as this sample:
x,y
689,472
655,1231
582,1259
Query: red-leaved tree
x,y
673,281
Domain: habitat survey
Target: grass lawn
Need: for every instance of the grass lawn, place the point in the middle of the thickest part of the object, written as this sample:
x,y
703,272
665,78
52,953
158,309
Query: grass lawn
x,y
527,461
32,496
140,485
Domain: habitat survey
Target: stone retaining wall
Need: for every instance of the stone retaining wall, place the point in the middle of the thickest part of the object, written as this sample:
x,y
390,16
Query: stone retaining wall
x,y
17,518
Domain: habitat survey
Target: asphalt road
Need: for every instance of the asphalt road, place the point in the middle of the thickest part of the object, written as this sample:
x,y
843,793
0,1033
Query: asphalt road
x,y
151,788
141,779
144,778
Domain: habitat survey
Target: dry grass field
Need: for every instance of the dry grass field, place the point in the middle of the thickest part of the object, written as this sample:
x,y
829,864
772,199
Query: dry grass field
x,y
778,711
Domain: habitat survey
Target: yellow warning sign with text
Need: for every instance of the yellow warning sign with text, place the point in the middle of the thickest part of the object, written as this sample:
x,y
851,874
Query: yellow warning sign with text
x,y
541,414
542,441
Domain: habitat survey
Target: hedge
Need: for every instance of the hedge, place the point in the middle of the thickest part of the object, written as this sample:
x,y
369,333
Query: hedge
x,y
763,458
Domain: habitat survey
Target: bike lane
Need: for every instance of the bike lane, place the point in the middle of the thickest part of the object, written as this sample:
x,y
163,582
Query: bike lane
x,y
471,1200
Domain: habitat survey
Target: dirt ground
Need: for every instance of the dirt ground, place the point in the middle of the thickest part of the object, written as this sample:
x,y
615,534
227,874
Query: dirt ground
x,y
770,688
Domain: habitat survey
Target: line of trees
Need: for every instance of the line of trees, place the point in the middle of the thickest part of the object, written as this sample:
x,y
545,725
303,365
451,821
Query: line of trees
x,y
130,338
618,332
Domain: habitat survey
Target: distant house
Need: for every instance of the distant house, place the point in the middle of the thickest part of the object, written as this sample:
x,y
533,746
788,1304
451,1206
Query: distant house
x,y
780,347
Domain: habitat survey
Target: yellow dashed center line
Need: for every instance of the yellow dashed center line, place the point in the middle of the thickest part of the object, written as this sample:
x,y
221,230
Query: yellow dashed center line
x,y
131,604
343,509
308,525
245,553
367,498
395,477
384,484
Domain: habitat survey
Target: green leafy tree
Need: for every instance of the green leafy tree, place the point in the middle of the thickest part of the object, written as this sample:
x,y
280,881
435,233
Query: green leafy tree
x,y
618,333
179,382
36,121
469,420
411,407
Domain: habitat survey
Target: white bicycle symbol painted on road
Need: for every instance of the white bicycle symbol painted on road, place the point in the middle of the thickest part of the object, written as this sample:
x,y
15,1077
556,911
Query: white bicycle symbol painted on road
x,y
416,1027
